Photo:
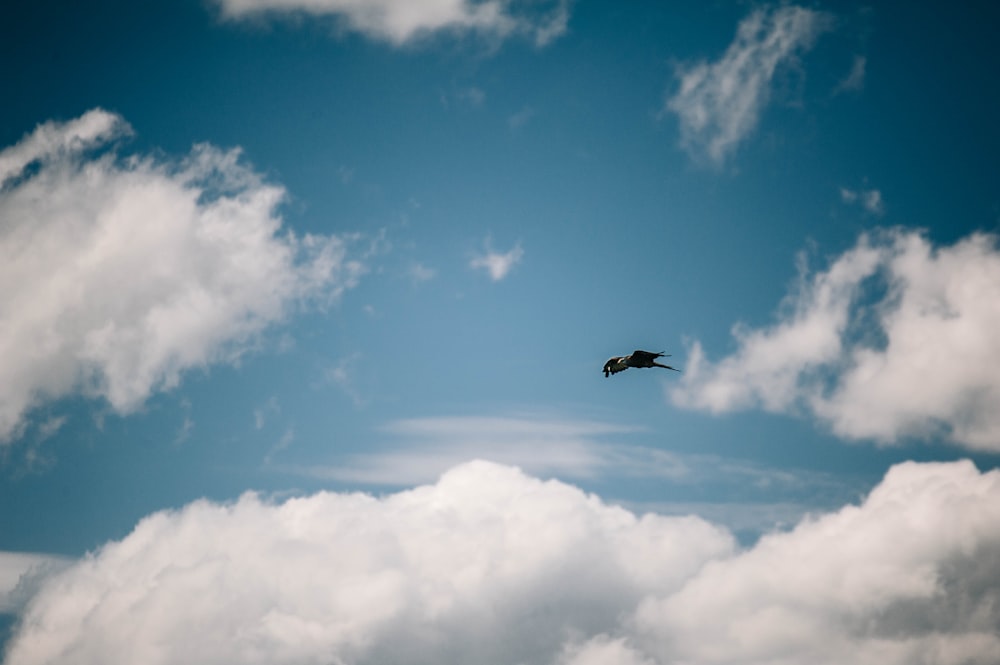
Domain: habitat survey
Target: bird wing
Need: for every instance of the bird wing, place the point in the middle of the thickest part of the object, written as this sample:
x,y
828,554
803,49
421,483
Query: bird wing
x,y
645,356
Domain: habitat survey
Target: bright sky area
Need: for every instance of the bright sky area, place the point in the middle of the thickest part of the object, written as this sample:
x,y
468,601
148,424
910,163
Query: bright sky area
x,y
304,306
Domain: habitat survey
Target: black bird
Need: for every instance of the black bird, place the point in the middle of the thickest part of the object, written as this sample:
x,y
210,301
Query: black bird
x,y
636,359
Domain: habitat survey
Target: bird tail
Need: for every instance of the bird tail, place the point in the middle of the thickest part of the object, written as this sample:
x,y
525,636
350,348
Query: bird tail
x,y
665,366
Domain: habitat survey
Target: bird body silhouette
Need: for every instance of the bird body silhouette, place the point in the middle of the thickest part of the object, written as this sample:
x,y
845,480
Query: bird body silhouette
x,y
637,358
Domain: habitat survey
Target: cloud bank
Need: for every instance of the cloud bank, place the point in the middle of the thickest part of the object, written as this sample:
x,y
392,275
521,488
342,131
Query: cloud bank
x,y
402,21
896,339
719,103
117,274
491,565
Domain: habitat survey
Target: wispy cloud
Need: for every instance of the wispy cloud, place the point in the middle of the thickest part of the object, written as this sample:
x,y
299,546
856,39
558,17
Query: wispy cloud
x,y
419,273
283,443
869,199
187,426
261,413
719,103
48,428
400,22
521,118
855,79
119,274
471,96
895,339
447,573
344,375
497,264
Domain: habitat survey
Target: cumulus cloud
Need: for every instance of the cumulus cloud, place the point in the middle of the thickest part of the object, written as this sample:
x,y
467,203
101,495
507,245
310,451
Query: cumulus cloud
x,y
401,21
719,103
901,578
117,274
895,339
497,264
487,565
491,565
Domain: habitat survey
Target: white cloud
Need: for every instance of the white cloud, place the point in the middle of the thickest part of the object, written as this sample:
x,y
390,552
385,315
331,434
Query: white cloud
x,y
911,575
603,650
487,565
719,103
54,140
119,274
491,565
496,264
21,574
895,339
401,21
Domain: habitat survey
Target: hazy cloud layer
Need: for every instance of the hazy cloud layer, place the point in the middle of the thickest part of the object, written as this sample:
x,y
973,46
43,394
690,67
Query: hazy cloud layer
x,y
489,565
897,338
117,274
719,103
402,21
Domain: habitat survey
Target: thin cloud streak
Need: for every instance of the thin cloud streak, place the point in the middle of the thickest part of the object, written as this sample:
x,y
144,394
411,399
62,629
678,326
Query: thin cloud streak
x,y
422,449
430,446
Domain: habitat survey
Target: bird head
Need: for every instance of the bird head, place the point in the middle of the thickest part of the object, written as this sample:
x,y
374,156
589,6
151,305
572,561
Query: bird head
x,y
613,365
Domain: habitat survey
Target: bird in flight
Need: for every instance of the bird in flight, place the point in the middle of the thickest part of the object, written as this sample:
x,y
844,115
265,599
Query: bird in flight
x,y
636,359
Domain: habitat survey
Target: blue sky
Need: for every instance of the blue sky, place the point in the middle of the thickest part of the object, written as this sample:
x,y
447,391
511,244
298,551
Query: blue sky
x,y
333,282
